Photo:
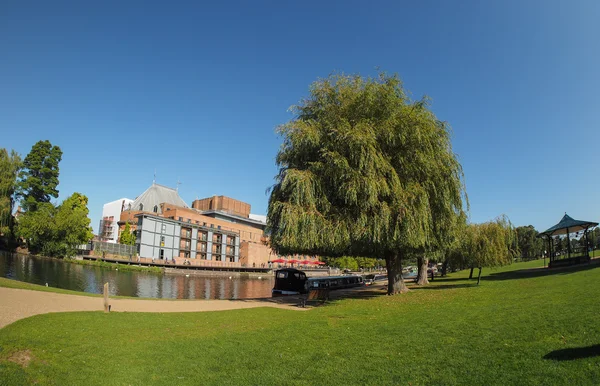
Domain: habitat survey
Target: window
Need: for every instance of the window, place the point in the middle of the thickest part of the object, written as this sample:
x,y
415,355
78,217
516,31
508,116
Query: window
x,y
180,218
218,227
189,221
187,255
141,206
282,275
164,228
212,225
155,209
162,253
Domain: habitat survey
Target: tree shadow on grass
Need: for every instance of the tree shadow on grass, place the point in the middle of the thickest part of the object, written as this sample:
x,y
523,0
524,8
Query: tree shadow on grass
x,y
539,272
445,286
569,354
445,279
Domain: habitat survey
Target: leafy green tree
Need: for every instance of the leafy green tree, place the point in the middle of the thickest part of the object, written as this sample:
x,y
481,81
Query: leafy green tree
x,y
10,164
364,171
38,229
528,243
366,262
127,237
38,180
490,244
56,231
73,223
344,262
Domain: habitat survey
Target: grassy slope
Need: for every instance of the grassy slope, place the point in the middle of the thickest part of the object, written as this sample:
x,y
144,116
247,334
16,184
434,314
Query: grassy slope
x,y
9,283
449,333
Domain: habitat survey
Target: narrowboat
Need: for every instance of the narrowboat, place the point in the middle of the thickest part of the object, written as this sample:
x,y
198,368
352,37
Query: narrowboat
x,y
290,281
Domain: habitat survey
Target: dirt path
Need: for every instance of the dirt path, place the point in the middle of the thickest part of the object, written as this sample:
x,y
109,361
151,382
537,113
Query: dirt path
x,y
18,304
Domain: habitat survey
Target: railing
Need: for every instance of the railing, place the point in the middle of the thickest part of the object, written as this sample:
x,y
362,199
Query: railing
x,y
114,248
179,262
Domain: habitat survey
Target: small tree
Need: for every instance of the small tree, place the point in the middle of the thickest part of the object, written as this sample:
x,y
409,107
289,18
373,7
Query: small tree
x,y
489,244
127,237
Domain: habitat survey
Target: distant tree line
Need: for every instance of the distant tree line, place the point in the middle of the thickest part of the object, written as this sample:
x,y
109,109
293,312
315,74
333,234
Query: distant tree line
x,y
42,226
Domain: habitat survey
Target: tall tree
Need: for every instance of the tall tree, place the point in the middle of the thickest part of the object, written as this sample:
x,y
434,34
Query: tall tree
x,y
10,164
39,176
364,171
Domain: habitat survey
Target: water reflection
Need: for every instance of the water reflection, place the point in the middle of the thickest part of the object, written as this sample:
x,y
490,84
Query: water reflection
x,y
60,274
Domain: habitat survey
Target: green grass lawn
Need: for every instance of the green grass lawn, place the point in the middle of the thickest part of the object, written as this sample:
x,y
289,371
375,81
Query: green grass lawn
x,y
451,332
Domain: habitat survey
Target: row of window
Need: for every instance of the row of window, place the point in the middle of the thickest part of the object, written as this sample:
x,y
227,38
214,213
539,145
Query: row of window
x,y
202,256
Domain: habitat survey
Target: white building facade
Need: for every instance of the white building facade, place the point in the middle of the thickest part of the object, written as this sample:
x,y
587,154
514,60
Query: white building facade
x,y
111,213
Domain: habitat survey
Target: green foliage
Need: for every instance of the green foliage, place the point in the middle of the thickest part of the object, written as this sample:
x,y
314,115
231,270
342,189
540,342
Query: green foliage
x,y
56,231
364,171
353,263
10,164
529,245
489,244
127,237
343,262
38,180
38,229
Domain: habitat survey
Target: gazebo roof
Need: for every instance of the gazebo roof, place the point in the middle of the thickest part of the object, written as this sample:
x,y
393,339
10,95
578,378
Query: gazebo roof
x,y
567,225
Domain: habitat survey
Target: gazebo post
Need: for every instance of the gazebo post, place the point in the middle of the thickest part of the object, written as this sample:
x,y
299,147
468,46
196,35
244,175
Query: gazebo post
x,y
568,244
587,243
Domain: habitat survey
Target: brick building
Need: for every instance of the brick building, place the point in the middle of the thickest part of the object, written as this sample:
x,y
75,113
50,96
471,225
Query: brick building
x,y
218,229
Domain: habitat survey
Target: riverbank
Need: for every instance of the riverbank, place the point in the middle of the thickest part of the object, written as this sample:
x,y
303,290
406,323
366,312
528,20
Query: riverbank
x,y
116,266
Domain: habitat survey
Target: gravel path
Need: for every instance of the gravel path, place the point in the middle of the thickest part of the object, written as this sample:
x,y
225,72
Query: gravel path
x,y
18,304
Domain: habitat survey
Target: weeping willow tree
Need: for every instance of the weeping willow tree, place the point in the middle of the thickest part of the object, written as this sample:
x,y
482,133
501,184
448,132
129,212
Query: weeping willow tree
x,y
364,171
10,164
489,244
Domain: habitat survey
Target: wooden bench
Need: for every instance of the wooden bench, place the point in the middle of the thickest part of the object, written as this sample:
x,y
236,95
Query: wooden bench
x,y
315,295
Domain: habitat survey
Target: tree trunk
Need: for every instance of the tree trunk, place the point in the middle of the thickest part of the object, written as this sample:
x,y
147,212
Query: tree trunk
x,y
471,274
422,276
396,284
479,276
445,267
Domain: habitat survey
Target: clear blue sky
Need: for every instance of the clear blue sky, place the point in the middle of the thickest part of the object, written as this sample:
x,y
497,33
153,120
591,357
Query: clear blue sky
x,y
196,89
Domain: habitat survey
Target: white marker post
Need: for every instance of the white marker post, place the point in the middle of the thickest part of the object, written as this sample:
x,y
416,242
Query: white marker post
x,y
106,307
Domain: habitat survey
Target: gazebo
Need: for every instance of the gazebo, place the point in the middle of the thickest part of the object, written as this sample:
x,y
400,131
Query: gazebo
x,y
567,226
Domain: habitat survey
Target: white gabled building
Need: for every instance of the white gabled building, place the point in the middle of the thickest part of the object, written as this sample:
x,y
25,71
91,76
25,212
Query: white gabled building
x,y
111,213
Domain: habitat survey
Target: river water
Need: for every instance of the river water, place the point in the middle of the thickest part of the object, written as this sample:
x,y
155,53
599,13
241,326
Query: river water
x,y
60,274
